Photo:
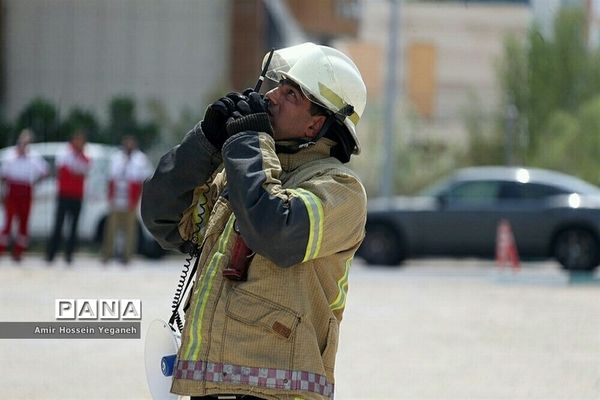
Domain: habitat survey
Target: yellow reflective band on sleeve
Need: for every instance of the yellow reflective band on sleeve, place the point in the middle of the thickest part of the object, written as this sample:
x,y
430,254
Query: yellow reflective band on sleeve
x,y
314,207
192,349
340,300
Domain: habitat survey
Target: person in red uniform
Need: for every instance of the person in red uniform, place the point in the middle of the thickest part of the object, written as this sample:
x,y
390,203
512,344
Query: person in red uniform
x,y
21,169
72,166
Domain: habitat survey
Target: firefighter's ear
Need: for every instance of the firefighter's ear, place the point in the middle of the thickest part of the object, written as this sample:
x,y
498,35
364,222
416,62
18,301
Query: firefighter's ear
x,y
314,126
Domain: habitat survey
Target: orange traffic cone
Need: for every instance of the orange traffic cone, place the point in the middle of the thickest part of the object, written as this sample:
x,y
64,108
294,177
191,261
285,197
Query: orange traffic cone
x,y
506,247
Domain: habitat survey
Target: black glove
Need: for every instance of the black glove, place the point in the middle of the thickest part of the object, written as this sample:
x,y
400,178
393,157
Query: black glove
x,y
250,115
251,103
216,116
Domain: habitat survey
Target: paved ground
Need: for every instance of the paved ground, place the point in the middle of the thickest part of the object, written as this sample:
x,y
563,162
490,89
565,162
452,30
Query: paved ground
x,y
434,329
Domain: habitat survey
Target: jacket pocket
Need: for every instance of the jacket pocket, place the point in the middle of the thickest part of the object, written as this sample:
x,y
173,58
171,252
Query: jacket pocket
x,y
258,332
254,310
331,348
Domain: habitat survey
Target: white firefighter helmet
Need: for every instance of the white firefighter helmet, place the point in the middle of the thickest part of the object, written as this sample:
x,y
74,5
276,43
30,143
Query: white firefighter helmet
x,y
327,77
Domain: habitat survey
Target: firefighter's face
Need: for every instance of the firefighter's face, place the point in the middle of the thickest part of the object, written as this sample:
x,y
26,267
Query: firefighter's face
x,y
289,112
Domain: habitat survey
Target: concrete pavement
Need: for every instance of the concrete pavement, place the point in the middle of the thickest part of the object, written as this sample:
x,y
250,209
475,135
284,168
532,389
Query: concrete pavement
x,y
433,329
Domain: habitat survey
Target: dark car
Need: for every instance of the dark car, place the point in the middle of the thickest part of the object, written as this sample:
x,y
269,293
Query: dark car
x,y
551,215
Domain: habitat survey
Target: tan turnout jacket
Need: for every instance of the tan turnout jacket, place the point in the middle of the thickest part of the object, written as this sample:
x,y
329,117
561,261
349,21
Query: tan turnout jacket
x,y
275,335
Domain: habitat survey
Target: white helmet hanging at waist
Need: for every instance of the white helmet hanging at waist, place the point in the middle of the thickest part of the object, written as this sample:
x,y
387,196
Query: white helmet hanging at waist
x,y
327,77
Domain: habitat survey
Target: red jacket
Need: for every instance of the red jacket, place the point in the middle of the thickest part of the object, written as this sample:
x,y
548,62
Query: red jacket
x,y
134,192
127,176
72,167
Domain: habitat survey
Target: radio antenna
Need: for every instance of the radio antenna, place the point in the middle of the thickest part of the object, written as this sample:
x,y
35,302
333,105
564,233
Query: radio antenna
x,y
261,78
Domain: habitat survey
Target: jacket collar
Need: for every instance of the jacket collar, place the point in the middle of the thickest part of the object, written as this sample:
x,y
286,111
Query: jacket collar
x,y
319,150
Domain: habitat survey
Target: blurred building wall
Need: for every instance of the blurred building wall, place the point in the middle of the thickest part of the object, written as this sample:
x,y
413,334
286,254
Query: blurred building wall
x,y
78,52
462,41
255,29
327,19
247,42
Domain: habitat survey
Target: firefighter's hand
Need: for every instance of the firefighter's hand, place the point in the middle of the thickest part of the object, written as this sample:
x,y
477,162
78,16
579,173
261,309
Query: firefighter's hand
x,y
250,103
250,115
216,116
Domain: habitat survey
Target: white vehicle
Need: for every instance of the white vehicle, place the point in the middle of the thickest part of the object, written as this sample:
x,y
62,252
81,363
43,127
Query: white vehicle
x,y
94,209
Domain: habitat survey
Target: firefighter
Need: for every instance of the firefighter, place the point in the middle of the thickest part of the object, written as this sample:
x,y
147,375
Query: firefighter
x,y
21,170
260,184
